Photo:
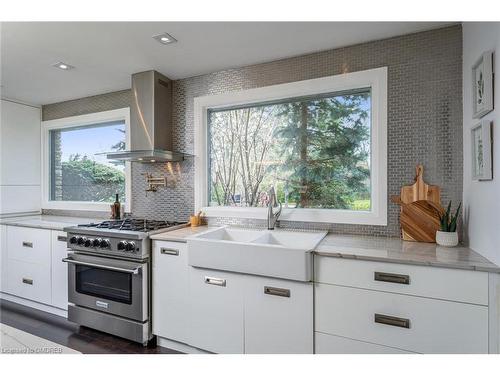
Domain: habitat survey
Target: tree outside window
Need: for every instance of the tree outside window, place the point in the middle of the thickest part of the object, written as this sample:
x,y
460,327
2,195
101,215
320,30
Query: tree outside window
x,y
315,151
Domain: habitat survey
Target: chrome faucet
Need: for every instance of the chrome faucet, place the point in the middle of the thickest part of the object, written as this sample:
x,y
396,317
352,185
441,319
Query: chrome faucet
x,y
272,217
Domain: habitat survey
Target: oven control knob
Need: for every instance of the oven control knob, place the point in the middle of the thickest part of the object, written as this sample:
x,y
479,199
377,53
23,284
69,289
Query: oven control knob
x,y
130,246
96,242
88,242
81,240
122,245
105,244
73,240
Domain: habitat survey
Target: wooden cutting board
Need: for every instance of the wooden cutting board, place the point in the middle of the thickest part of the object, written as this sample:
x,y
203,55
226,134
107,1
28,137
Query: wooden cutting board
x,y
420,190
419,221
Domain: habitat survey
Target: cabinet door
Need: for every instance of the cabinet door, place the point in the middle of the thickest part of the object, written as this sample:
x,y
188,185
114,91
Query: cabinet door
x,y
170,290
216,310
3,258
29,245
59,270
29,280
20,144
278,316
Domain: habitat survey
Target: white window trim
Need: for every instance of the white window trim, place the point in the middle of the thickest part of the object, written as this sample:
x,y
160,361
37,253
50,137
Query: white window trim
x,y
376,79
71,122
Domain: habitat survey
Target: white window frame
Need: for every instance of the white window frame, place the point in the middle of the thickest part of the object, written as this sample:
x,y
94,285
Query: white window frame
x,y
375,79
122,114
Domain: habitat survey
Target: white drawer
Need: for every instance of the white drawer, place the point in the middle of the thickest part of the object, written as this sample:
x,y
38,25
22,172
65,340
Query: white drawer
x,y
29,280
441,283
28,245
330,344
435,326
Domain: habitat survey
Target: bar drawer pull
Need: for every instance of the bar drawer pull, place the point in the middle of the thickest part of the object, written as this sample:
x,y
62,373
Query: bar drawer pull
x,y
27,244
167,251
62,238
27,281
280,292
392,278
392,321
215,281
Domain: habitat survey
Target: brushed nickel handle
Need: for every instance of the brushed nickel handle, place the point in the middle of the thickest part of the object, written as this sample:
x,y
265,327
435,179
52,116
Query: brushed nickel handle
x,y
215,281
27,244
62,238
168,251
392,321
392,278
27,281
133,271
280,292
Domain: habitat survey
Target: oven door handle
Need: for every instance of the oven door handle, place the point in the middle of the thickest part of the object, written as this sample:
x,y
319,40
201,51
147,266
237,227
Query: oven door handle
x,y
133,271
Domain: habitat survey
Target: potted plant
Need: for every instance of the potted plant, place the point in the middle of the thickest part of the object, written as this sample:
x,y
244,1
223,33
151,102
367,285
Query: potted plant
x,y
447,235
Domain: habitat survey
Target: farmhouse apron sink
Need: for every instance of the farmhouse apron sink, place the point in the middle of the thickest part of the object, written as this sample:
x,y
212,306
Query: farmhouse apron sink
x,y
279,253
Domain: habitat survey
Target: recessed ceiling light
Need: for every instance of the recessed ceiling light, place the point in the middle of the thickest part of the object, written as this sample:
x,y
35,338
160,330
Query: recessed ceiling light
x,y
63,66
165,38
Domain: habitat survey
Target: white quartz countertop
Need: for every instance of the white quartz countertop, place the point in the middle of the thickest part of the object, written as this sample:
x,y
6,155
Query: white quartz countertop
x,y
180,235
379,249
46,221
395,250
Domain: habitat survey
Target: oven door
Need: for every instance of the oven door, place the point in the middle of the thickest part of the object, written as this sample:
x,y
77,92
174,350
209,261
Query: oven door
x,y
114,286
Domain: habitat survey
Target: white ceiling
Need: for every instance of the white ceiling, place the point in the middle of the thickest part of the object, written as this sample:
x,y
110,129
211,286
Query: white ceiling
x,y
106,54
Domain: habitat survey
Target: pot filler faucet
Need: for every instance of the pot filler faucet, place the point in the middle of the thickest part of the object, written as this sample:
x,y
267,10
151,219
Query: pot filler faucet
x,y
272,217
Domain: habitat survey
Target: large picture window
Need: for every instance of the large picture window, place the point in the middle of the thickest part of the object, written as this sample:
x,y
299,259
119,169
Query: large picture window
x,y
77,173
315,151
322,143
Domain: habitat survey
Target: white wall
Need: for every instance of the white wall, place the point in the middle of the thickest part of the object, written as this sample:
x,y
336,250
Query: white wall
x,y
481,199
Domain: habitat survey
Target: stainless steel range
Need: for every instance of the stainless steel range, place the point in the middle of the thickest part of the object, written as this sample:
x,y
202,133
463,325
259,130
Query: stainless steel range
x,y
109,275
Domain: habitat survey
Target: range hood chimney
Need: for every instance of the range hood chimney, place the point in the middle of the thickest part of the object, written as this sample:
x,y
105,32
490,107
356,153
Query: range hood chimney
x,y
150,121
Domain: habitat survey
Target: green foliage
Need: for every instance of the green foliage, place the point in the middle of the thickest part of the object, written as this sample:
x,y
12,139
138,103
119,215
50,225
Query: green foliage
x,y
448,222
326,150
316,152
87,180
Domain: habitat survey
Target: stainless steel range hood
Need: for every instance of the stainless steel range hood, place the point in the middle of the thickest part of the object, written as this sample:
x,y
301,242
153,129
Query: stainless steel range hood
x,y
150,121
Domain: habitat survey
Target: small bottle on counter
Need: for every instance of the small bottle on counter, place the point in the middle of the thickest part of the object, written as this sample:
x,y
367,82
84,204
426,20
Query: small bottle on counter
x,y
117,208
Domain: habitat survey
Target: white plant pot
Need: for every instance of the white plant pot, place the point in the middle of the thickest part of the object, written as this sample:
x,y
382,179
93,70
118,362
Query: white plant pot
x,y
447,238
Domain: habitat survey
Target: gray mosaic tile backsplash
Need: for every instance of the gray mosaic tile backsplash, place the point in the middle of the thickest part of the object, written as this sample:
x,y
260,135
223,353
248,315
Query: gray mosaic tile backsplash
x,y
424,119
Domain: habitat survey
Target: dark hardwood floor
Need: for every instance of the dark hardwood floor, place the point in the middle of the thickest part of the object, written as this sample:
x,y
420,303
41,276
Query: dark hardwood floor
x,y
60,330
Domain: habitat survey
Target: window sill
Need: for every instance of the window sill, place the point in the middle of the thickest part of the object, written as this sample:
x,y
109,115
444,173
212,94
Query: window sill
x,y
79,206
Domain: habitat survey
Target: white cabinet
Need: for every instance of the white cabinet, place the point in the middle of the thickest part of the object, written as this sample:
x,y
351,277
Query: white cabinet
x,y
441,283
170,290
29,280
3,258
59,274
326,344
278,316
29,245
216,313
29,263
237,313
32,266
19,157
377,305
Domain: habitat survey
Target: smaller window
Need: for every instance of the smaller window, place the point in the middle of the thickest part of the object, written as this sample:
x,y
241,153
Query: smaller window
x,y
79,170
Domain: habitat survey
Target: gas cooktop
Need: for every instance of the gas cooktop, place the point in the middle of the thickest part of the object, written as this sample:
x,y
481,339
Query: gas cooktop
x,y
128,238
133,225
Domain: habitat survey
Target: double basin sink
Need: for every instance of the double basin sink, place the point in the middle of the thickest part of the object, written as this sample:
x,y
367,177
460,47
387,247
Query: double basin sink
x,y
278,253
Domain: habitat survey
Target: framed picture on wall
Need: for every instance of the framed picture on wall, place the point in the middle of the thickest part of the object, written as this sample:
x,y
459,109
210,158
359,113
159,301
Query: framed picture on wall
x,y
482,85
482,168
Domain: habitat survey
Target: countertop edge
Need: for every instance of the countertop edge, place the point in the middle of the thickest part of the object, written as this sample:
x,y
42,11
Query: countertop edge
x,y
492,269
36,226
